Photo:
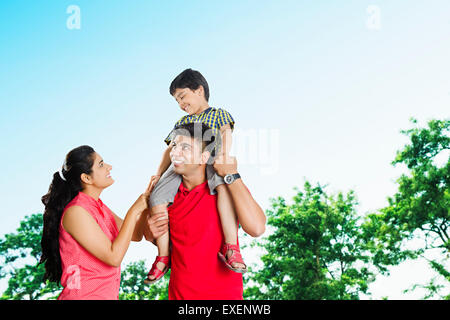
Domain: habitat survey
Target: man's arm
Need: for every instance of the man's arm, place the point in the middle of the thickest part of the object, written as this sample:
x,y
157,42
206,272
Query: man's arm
x,y
250,215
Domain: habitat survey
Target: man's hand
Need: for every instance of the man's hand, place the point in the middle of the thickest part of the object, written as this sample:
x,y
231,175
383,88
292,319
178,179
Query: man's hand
x,y
157,225
225,165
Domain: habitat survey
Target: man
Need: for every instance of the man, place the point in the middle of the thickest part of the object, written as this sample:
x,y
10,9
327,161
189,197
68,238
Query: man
x,y
195,231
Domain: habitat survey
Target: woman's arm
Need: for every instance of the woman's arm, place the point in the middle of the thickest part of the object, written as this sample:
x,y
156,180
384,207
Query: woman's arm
x,y
118,220
85,230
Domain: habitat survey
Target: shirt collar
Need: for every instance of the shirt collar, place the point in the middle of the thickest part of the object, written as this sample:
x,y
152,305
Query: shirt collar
x,y
204,111
185,191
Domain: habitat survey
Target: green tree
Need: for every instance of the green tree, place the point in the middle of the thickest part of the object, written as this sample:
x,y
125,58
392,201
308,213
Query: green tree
x,y
19,255
315,249
132,286
421,207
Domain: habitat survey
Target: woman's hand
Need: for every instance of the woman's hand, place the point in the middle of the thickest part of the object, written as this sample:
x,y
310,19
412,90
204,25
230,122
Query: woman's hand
x,y
153,181
142,202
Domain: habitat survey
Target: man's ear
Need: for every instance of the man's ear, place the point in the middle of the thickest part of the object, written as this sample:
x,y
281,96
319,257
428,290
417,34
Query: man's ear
x,y
86,178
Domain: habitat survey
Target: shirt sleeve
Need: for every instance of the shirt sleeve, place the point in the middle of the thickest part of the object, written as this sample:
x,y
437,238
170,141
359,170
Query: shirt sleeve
x,y
169,138
224,118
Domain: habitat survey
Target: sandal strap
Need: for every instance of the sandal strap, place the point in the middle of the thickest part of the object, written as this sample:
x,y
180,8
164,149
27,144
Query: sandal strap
x,y
236,254
154,271
236,257
229,246
163,259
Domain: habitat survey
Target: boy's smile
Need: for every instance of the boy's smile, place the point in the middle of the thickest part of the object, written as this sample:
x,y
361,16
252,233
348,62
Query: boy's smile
x,y
191,101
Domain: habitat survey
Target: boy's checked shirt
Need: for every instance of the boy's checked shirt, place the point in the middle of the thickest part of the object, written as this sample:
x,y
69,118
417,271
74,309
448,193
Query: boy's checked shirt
x,y
212,117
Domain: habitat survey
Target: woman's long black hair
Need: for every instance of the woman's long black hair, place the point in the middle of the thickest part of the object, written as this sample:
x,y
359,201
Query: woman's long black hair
x,y
60,193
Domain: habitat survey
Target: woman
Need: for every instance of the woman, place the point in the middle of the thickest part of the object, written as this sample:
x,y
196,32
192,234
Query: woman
x,y
83,241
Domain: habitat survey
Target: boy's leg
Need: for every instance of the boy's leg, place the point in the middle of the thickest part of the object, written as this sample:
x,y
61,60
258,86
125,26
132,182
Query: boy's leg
x,y
228,220
163,241
163,193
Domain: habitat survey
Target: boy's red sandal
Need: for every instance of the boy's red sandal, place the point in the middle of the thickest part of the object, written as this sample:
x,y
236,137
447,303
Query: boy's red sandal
x,y
154,271
235,257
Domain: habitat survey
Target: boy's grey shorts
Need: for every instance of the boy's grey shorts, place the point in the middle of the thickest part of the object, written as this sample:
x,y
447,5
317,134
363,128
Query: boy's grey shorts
x,y
167,186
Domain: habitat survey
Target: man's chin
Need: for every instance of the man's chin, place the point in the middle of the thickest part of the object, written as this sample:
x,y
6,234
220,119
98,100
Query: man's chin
x,y
178,168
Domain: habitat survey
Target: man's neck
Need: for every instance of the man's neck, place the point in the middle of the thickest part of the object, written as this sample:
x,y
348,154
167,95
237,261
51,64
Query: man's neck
x,y
194,179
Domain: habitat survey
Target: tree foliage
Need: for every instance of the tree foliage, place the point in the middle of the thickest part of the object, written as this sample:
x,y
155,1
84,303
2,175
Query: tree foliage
x,y
316,250
317,247
20,253
132,286
421,207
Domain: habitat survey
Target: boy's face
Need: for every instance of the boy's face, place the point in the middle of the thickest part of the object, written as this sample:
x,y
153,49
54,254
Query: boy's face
x,y
190,101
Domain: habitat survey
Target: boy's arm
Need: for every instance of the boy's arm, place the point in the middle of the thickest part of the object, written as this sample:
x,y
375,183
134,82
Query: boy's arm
x,y
165,161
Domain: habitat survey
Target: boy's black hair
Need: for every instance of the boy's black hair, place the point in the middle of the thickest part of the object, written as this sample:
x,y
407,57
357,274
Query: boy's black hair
x,y
191,79
209,139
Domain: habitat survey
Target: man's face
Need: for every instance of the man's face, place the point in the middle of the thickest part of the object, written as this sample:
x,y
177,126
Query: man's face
x,y
190,101
186,154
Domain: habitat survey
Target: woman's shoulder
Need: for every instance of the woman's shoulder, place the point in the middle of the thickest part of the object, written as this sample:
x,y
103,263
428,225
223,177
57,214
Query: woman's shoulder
x,y
76,216
80,204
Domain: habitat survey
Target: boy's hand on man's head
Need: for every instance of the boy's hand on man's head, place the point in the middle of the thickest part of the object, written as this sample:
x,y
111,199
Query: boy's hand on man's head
x,y
225,164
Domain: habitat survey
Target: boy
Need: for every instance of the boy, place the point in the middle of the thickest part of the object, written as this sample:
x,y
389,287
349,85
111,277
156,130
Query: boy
x,y
191,91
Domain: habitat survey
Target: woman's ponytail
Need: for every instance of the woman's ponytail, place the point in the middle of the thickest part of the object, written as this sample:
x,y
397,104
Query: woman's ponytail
x,y
65,185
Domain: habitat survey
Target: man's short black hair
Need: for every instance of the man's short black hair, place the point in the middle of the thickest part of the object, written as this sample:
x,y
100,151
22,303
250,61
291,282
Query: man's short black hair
x,y
191,79
209,138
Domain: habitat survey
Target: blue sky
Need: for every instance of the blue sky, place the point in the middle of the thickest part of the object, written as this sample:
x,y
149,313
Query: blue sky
x,y
331,93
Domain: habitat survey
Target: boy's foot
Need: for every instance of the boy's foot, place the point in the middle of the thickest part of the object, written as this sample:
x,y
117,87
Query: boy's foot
x,y
231,256
235,264
158,270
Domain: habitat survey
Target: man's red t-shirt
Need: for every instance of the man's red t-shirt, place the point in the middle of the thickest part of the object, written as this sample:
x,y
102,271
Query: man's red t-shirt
x,y
196,236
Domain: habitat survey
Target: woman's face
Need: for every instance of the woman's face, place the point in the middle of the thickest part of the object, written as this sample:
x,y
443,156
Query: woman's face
x,y
100,176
